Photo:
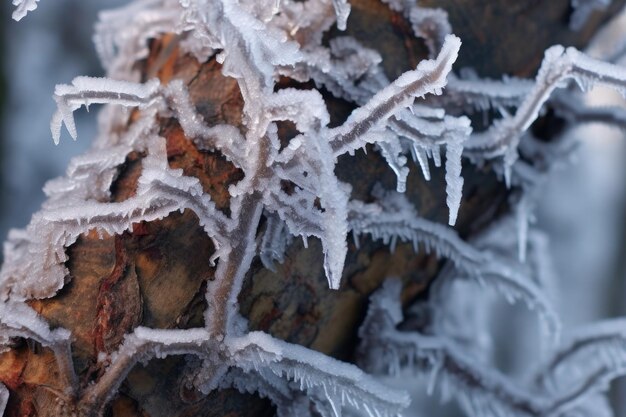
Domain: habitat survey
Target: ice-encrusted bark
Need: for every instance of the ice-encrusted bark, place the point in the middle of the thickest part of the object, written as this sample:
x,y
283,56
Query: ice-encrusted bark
x,y
18,320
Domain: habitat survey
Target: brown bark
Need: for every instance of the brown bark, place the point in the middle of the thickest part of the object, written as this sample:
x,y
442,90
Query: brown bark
x,y
156,275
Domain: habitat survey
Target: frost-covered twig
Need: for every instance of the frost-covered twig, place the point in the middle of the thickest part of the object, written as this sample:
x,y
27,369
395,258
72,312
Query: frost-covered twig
x,y
274,243
40,255
428,77
470,94
432,25
597,348
351,71
121,35
575,112
85,91
559,64
288,368
479,390
395,218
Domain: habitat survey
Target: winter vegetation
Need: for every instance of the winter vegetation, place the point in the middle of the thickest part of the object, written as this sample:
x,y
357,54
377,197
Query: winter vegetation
x,y
423,115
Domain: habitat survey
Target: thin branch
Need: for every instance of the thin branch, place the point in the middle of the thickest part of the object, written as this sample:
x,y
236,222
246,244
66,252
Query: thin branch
x,y
559,64
428,77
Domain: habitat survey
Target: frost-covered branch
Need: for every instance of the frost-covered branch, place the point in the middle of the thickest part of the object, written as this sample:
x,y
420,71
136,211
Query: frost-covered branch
x,y
289,370
597,349
296,189
479,390
85,91
39,256
394,218
559,64
428,77
471,94
362,125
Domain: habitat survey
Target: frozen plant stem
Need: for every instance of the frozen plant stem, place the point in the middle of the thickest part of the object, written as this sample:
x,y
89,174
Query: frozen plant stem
x,y
222,293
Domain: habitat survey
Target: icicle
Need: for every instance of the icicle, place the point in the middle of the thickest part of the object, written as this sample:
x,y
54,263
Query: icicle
x,y
454,181
342,9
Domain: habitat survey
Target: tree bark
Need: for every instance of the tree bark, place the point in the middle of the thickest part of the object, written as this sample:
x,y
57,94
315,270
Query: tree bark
x,y
156,275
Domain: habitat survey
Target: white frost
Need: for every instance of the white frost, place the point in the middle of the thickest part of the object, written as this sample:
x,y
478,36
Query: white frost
x,y
22,7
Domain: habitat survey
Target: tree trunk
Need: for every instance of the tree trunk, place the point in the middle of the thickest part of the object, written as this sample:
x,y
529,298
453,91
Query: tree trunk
x,y
156,276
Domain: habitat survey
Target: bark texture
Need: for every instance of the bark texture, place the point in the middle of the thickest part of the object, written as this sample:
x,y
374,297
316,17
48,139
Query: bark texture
x,y
156,275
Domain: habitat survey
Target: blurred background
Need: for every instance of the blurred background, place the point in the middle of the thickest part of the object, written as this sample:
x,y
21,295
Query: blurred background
x,y
45,48
582,208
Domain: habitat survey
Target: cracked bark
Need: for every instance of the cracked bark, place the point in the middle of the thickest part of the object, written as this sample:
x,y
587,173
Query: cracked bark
x,y
156,276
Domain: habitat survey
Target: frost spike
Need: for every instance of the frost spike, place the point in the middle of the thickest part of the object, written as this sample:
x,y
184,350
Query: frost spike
x,y
342,9
88,90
